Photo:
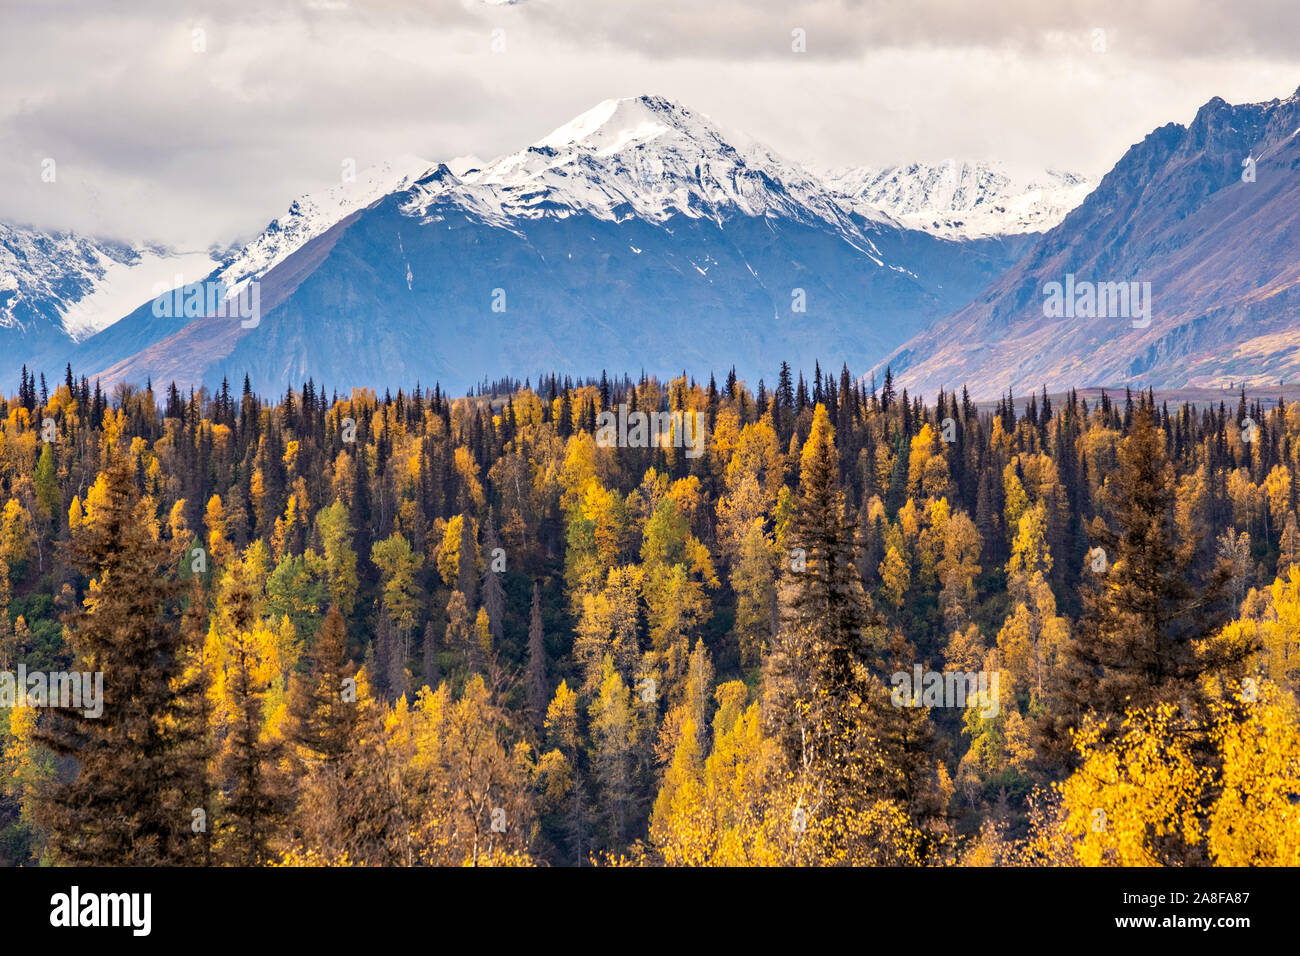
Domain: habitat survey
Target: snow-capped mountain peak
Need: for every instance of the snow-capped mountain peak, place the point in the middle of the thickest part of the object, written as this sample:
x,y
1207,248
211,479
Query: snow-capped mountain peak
x,y
963,200
643,156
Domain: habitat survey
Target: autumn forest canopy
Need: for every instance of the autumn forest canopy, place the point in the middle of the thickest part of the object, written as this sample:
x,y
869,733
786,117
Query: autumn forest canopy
x,y
424,630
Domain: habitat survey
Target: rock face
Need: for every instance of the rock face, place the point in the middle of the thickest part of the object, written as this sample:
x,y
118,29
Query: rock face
x,y
1222,257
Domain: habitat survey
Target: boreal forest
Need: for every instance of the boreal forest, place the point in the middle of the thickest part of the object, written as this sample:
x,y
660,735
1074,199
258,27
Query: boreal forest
x,y
416,629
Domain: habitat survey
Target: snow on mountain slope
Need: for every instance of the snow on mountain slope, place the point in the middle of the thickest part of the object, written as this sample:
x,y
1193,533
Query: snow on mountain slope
x,y
464,164
312,214
124,286
74,285
960,200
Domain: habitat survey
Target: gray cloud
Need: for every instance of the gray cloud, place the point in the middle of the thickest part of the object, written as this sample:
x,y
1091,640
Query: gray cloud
x,y
759,29
156,141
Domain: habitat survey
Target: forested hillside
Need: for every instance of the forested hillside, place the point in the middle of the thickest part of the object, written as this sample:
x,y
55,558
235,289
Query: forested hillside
x,y
414,629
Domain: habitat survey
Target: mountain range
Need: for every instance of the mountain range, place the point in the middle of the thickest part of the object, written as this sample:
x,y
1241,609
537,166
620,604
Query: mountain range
x,y
634,237
639,236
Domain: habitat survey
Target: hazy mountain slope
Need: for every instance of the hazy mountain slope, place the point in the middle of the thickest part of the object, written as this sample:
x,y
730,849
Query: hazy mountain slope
x,y
1222,257
308,217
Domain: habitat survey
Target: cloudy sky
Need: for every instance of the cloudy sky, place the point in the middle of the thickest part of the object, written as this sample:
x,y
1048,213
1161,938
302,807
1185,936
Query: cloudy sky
x,y
193,124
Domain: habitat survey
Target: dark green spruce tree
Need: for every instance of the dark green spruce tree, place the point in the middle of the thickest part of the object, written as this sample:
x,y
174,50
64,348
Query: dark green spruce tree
x,y
127,776
1150,613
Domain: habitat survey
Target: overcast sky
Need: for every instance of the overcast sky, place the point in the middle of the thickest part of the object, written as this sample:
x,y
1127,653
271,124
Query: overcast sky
x,y
156,141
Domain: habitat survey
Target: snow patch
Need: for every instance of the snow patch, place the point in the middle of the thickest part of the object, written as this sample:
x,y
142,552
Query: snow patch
x,y
124,287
